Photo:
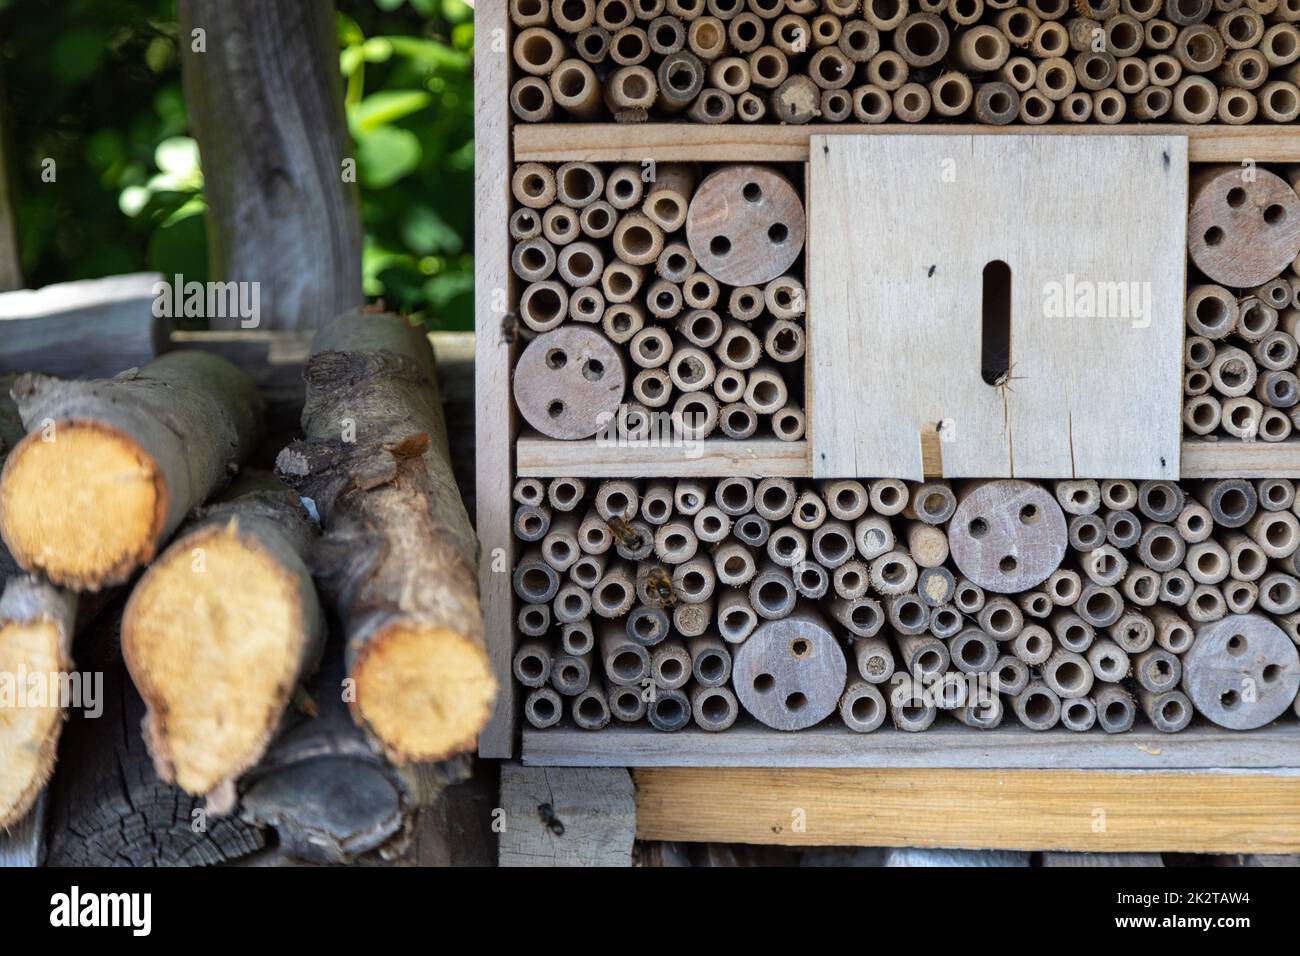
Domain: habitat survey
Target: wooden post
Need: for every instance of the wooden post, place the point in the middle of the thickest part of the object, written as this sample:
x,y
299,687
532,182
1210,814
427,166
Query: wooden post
x,y
265,101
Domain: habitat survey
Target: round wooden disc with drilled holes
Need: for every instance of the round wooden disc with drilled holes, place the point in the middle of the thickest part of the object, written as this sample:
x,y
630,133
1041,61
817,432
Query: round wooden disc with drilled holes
x,y
1007,536
790,673
567,380
1242,672
745,225
1242,233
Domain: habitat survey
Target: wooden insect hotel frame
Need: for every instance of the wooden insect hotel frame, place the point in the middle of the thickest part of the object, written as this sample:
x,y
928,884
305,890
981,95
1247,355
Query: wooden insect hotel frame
x,y
889,382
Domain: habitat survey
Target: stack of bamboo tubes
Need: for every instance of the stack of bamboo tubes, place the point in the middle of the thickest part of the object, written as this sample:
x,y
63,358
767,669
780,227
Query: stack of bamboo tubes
x,y
676,291
1082,603
1243,304
998,62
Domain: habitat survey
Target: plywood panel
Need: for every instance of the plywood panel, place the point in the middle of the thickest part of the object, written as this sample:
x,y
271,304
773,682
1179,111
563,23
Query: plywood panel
x,y
1233,458
947,746
904,227
1094,811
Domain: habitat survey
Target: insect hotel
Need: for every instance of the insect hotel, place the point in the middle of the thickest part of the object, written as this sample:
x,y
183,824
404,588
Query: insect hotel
x,y
890,405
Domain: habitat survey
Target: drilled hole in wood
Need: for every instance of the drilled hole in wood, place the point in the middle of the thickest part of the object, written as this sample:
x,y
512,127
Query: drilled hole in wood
x,y
996,354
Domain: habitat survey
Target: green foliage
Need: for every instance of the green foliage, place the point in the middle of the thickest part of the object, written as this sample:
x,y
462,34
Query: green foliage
x,y
95,87
409,79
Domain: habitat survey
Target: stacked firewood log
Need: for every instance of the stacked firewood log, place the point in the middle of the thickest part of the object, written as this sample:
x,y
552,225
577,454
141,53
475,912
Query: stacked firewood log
x,y
1079,603
121,488
1243,309
667,284
873,61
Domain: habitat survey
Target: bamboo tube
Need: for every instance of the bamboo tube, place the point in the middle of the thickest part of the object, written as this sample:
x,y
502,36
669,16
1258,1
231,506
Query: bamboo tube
x,y
525,224
1019,72
692,620
1035,108
1195,100
669,711
597,220
851,579
560,225
1076,108
630,88
951,94
533,185
911,102
1037,707
531,100
996,103
1094,70
1143,10
746,33
587,305
1279,101
575,89
1164,70
768,67
981,49
680,78
910,708
729,74
700,291
1280,44
1109,662
1199,48
859,41
1124,36
571,675
966,12
887,70
1132,75
538,51
624,187
1159,34
543,708
1072,631
871,104
1033,645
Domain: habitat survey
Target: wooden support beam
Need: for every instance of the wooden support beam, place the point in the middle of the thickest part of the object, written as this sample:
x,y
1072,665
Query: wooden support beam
x,y
566,817
265,99
677,142
1095,811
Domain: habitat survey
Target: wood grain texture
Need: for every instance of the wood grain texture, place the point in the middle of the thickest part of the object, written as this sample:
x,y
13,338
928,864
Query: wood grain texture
x,y
93,328
1094,392
266,102
1203,458
946,745
677,142
566,817
495,421
1095,811
540,457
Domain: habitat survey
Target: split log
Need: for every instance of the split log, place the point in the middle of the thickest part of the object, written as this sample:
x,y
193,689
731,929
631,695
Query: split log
x,y
220,630
282,211
89,329
36,630
108,807
398,558
111,467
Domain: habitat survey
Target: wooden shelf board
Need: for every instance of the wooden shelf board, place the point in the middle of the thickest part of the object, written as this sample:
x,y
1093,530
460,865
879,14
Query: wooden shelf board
x,y
1082,810
1233,458
665,142
538,457
951,746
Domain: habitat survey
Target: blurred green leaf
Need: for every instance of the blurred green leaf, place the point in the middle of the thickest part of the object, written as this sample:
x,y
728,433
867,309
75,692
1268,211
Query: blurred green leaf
x,y
386,154
387,107
426,232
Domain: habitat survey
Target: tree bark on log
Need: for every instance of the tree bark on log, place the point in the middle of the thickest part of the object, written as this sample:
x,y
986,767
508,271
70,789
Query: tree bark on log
x,y
329,796
90,329
265,100
111,467
398,558
218,633
108,807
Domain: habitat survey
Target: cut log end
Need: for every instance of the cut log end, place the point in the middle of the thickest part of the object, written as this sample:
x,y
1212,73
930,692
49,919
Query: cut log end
x,y
213,637
425,693
84,508
29,651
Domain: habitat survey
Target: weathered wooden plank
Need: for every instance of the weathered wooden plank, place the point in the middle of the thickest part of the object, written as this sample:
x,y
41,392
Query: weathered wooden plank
x,y
949,745
1092,370
1093,811
539,457
1232,458
566,817
598,142
93,328
494,413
